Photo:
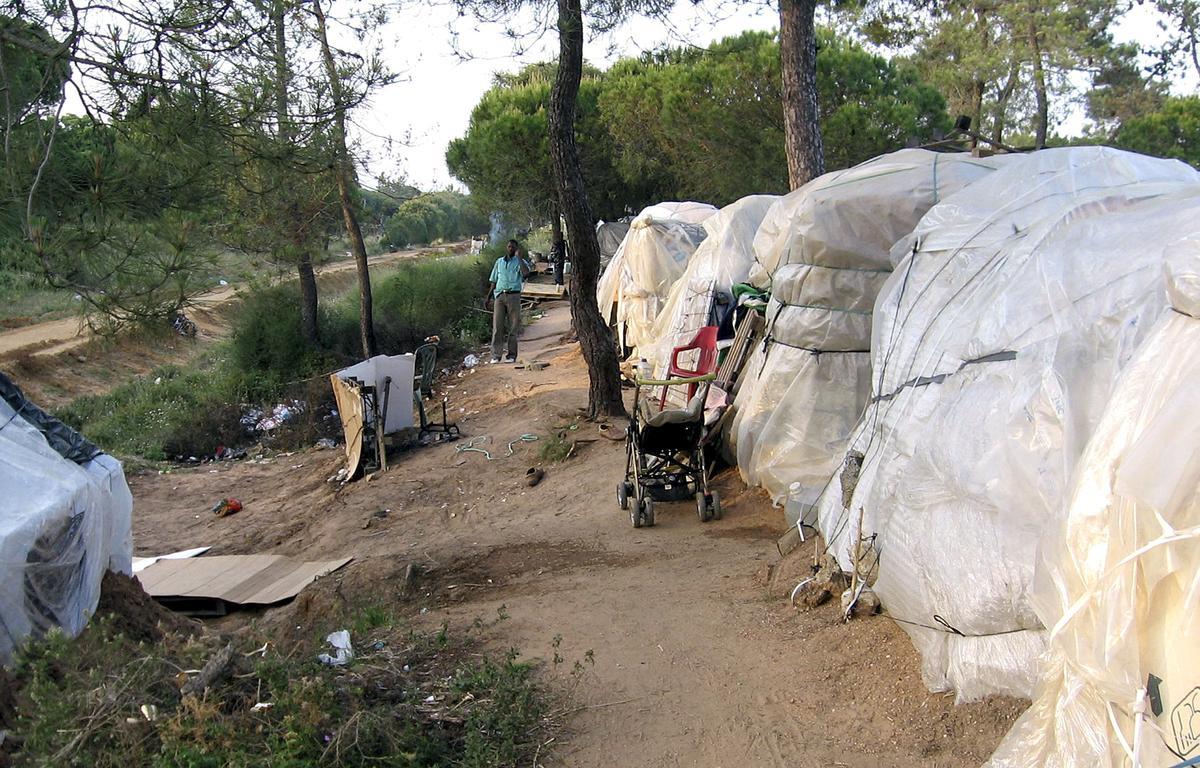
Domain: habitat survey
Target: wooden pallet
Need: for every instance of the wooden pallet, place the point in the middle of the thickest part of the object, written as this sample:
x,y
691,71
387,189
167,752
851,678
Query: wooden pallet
x,y
543,290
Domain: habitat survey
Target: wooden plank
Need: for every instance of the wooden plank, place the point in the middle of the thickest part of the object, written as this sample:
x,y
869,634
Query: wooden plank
x,y
747,333
544,290
788,542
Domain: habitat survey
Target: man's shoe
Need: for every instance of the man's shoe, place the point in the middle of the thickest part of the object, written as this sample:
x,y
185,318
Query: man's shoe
x,y
510,359
495,359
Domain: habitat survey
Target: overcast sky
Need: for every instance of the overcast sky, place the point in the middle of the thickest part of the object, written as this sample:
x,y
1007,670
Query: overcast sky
x,y
446,63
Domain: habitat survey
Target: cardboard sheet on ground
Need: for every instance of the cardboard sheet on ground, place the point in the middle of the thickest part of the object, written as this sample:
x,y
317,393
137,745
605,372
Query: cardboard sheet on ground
x,y
142,563
204,584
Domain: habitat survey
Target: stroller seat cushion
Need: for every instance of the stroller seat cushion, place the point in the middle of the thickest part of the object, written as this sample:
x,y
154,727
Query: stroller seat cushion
x,y
693,412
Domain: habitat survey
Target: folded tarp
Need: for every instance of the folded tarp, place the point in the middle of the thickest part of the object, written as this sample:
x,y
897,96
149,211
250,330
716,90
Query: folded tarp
x,y
67,519
996,343
651,258
824,252
1118,581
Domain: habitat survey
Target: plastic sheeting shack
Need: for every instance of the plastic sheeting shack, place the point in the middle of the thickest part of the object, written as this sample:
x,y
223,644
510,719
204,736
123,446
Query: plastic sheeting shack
x,y
996,342
824,250
650,259
1118,582
721,261
68,518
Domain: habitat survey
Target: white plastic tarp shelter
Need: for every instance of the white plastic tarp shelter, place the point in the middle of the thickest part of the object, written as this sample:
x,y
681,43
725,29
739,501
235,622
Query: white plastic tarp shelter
x,y
67,519
651,258
721,261
824,251
1119,581
1012,309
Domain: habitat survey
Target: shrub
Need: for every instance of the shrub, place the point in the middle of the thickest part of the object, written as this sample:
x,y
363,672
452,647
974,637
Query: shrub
x,y
168,413
417,300
408,699
267,337
176,412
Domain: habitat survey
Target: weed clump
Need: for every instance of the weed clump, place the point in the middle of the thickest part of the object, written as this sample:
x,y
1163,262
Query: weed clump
x,y
173,411
408,699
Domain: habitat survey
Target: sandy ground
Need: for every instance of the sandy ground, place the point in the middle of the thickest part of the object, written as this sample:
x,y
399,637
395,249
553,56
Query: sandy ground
x,y
699,660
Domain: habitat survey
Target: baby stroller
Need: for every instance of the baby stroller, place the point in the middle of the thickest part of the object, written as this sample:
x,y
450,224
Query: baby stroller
x,y
664,458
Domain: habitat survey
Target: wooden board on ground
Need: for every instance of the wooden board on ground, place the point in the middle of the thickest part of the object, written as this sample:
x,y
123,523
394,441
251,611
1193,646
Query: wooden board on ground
x,y
350,411
203,585
544,290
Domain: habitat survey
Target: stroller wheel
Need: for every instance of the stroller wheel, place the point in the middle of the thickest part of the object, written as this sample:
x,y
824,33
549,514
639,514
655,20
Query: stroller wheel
x,y
714,505
702,507
635,514
648,511
623,495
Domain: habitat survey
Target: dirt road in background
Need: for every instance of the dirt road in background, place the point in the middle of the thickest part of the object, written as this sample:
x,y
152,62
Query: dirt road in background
x,y
57,336
699,660
58,361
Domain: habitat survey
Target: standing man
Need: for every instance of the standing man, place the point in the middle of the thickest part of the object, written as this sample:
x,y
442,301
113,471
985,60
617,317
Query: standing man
x,y
504,291
558,255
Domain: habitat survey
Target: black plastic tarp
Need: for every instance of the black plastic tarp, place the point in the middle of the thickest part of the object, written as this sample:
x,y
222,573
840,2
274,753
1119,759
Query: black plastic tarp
x,y
70,444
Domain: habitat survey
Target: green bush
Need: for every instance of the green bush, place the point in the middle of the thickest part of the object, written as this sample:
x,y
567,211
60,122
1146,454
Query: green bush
x,y
417,300
190,411
267,338
170,412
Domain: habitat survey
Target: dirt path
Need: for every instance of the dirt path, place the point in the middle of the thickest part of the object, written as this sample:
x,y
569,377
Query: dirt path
x,y
55,337
698,658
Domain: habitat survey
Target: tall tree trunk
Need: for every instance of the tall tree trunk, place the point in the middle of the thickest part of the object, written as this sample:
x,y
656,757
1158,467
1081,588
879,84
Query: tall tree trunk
x,y
801,119
983,25
1000,112
595,338
555,225
1042,119
304,266
344,171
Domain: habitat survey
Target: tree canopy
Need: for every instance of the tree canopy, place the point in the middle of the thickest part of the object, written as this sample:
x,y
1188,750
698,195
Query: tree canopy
x,y
445,215
1171,131
504,158
689,124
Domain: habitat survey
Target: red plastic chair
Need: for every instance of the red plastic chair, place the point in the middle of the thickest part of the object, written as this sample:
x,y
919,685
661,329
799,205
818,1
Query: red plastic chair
x,y
706,343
